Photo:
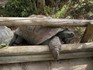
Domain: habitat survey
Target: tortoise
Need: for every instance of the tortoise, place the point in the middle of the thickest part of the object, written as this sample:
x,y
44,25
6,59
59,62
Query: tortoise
x,y
37,35
6,35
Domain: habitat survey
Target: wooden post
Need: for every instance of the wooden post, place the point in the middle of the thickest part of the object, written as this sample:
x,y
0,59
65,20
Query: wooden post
x,y
88,34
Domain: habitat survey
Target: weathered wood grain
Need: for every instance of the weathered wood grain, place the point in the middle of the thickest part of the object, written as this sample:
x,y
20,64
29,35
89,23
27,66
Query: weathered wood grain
x,y
88,34
44,49
41,53
43,57
16,21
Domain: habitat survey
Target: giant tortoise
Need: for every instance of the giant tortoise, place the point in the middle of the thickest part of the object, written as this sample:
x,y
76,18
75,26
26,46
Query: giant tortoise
x,y
37,35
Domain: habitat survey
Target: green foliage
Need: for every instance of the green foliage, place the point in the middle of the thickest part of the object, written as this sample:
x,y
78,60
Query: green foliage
x,y
54,8
2,45
20,7
48,11
82,8
61,13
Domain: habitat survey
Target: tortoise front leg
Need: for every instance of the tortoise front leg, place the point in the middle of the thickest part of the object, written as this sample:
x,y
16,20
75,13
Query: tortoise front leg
x,y
55,46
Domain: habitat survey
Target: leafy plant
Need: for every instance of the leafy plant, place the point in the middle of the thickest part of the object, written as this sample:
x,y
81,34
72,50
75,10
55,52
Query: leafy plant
x,y
2,45
20,7
54,8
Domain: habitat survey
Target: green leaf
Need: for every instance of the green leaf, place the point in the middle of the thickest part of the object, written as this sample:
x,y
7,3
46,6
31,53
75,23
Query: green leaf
x,y
2,45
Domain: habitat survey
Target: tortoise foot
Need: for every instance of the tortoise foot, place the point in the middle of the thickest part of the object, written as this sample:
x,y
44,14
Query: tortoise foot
x,y
55,46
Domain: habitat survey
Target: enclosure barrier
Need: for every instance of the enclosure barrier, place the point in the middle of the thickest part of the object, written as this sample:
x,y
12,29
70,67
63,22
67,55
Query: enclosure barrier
x,y
16,54
24,21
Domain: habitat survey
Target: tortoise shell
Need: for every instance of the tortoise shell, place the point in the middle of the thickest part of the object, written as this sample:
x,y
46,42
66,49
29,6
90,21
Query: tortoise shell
x,y
6,34
37,34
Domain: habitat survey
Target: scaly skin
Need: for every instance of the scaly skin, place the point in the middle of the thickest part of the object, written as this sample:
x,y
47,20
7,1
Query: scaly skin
x,y
55,46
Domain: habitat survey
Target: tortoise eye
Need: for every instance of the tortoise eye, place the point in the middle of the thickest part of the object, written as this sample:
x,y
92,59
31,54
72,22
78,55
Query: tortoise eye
x,y
72,34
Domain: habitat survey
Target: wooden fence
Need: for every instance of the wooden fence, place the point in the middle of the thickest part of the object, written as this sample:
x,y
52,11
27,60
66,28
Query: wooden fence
x,y
16,54
37,57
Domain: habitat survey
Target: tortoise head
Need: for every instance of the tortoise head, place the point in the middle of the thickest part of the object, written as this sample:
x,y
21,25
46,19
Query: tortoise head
x,y
66,35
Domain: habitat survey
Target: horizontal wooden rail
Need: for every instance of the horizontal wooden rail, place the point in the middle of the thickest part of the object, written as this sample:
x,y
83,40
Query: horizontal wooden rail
x,y
15,54
24,21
